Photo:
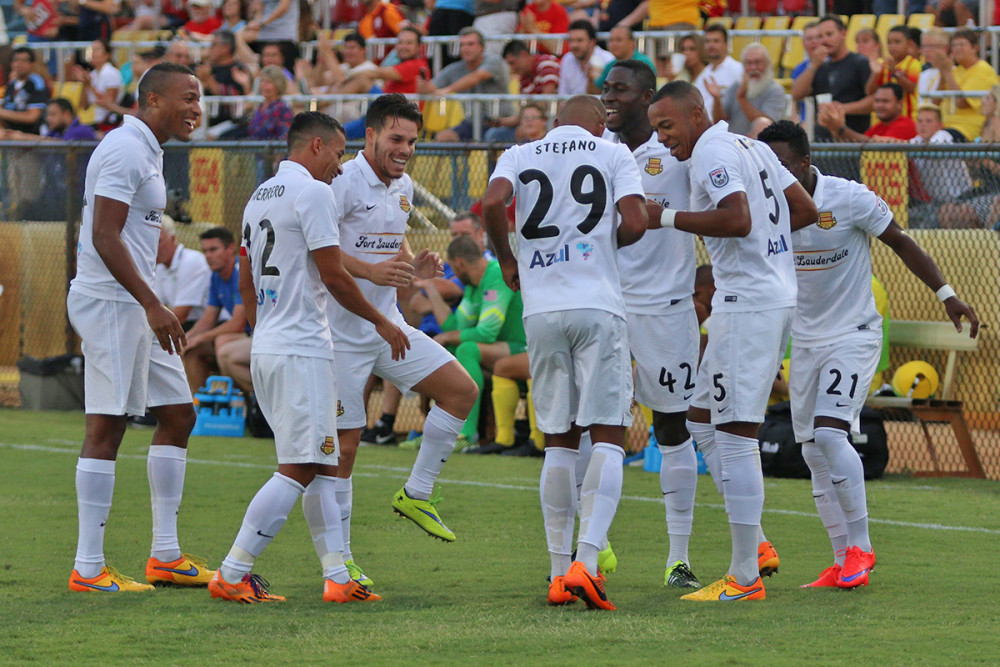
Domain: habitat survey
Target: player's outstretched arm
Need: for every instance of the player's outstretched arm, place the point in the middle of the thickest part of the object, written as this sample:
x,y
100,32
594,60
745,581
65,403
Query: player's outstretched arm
x,y
634,219
730,219
248,292
801,207
109,221
922,266
495,219
393,272
346,292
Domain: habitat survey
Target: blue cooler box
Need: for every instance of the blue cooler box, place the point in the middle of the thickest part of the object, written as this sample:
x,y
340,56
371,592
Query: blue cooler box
x,y
221,408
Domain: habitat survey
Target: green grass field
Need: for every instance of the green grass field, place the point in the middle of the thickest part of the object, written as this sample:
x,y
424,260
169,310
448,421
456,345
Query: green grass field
x,y
481,600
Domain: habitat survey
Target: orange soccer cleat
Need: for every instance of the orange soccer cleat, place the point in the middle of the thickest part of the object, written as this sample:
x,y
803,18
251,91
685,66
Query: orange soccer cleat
x,y
251,589
857,565
827,578
590,589
767,559
558,594
352,591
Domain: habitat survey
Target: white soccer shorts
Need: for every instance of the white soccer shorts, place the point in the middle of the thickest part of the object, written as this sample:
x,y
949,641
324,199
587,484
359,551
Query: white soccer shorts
x,y
167,383
665,349
354,366
742,359
116,340
580,368
832,380
298,396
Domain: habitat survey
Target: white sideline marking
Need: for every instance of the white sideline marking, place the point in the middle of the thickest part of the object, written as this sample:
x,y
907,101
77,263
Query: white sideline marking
x,y
510,487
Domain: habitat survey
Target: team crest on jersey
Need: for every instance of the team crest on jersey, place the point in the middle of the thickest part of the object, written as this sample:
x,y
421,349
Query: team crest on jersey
x,y
654,167
881,207
826,220
719,177
403,204
586,249
329,446
340,409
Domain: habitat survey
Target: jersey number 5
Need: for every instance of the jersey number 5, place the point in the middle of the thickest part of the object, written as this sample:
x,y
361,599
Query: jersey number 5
x,y
769,194
265,224
596,198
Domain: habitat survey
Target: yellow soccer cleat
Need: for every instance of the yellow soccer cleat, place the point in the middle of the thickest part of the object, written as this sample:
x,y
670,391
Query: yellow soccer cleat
x,y
767,559
357,574
187,570
251,589
423,513
607,561
727,590
109,580
352,591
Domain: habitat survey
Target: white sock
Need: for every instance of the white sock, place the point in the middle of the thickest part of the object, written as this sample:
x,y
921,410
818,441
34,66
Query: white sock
x,y
440,432
319,505
826,500
704,436
165,466
599,496
583,460
557,490
345,500
264,517
95,485
743,491
847,474
679,482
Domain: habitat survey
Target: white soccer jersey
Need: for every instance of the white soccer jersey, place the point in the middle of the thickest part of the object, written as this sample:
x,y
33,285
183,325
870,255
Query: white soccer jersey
x,y
755,272
372,228
833,262
567,186
288,216
658,271
126,166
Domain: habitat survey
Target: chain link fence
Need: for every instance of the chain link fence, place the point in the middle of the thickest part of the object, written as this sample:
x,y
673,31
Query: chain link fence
x,y
948,196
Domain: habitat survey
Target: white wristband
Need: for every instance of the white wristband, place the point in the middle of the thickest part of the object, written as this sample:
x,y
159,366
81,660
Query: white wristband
x,y
667,217
946,292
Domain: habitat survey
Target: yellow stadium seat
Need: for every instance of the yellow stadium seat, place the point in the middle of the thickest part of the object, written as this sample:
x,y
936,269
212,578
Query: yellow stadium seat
x,y
72,91
120,55
857,22
922,21
514,86
738,42
441,114
340,33
885,23
794,52
725,21
775,45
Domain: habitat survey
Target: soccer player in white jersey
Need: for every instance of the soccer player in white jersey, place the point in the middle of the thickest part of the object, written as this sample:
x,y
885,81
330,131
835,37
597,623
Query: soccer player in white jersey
x,y
837,340
657,277
745,205
374,198
113,307
290,264
579,198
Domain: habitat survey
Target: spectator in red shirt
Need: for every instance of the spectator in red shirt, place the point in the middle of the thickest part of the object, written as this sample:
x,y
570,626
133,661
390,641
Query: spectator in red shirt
x,y
892,125
382,19
545,17
539,76
399,78
203,21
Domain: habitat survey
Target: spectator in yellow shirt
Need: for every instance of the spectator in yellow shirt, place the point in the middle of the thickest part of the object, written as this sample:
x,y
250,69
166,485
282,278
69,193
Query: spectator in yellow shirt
x,y
961,115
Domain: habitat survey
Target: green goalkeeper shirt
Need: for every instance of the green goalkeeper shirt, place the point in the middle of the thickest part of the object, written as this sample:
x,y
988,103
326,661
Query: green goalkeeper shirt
x,y
489,312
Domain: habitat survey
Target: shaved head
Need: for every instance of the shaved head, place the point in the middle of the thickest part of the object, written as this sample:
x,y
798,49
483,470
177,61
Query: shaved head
x,y
585,111
684,95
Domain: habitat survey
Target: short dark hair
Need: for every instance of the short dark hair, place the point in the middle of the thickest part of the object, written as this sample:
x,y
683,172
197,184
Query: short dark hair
x,y
220,233
902,29
641,72
836,19
63,104
465,248
154,53
675,90
309,124
477,221
226,37
106,43
717,27
155,79
393,105
24,49
515,47
914,34
584,25
410,28
896,89
968,35
789,132
356,38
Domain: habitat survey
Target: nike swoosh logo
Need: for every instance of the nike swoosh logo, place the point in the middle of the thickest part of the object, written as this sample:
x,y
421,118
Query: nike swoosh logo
x,y
845,405
720,409
668,492
112,588
444,460
103,523
688,397
436,520
854,576
368,208
190,571
725,597
270,537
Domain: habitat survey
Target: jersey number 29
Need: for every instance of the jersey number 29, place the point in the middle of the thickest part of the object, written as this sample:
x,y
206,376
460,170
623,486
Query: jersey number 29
x,y
596,198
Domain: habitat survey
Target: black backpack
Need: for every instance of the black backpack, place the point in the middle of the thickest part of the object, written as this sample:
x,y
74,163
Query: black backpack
x,y
256,422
